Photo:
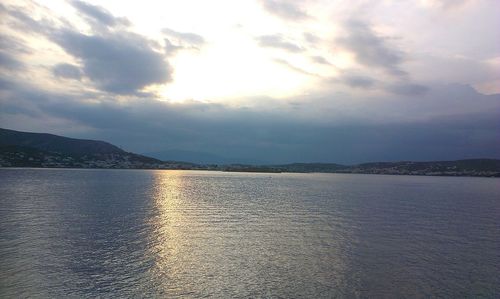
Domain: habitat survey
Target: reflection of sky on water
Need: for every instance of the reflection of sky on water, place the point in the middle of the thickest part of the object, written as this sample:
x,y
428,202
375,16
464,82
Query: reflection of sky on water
x,y
225,233
92,233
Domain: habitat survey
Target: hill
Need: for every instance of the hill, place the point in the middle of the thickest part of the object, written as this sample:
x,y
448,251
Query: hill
x,y
23,149
53,143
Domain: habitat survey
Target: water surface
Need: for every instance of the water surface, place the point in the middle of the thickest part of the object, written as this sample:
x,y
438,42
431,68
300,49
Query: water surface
x,y
142,233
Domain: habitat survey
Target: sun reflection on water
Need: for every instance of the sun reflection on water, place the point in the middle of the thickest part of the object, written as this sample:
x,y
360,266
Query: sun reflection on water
x,y
224,233
167,239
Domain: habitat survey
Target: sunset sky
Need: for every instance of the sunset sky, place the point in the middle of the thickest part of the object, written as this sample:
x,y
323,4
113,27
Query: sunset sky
x,y
266,81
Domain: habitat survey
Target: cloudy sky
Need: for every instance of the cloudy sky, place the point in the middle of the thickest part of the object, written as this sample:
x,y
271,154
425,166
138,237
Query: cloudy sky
x,y
262,80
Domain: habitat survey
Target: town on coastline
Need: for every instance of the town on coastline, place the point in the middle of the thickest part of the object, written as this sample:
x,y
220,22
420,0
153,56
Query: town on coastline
x,y
21,149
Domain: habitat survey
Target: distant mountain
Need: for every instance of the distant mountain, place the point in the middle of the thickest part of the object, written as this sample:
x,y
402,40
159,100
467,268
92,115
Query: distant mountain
x,y
312,167
22,149
469,167
198,157
480,165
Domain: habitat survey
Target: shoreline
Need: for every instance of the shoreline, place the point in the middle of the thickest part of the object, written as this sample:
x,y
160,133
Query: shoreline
x,y
493,175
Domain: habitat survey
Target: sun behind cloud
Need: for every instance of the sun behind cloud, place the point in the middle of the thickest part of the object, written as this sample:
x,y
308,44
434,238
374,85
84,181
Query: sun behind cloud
x,y
266,77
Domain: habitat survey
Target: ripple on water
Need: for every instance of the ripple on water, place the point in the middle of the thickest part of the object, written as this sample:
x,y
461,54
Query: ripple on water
x,y
118,233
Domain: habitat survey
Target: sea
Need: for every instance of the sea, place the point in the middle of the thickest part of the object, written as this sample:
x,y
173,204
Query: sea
x,y
81,233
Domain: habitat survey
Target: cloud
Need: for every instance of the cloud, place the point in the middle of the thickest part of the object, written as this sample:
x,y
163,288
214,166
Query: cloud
x,y
121,63
285,9
445,4
20,19
13,45
407,89
7,61
461,126
320,60
293,68
354,79
117,61
370,49
183,38
279,42
98,14
171,48
66,70
177,41
358,81
350,120
311,38
456,69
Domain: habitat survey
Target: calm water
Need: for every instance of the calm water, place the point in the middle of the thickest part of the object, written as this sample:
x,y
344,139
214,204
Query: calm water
x,y
121,233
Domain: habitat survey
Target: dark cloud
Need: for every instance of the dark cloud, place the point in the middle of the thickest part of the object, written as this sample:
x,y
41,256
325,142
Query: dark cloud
x,y
115,61
99,14
408,89
353,79
358,81
274,136
9,62
66,70
279,42
12,48
121,63
370,49
285,9
13,45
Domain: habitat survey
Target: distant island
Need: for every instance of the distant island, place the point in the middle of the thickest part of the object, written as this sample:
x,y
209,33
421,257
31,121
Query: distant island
x,y
23,149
